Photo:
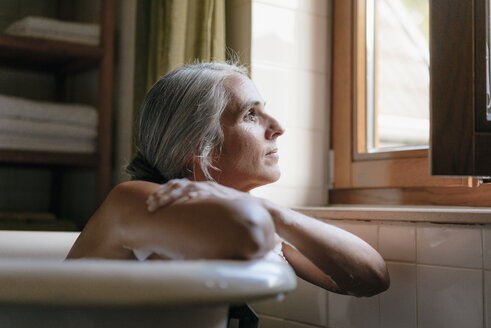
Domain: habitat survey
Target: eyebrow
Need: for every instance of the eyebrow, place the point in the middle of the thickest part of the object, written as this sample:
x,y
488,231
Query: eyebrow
x,y
250,104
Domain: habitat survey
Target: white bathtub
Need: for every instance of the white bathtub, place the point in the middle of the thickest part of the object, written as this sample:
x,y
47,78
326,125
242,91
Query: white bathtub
x,y
39,289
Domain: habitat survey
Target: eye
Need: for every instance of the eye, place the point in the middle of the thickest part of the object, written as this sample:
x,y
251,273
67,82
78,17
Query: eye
x,y
251,115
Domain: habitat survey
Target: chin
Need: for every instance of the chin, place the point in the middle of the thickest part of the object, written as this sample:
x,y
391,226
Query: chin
x,y
272,177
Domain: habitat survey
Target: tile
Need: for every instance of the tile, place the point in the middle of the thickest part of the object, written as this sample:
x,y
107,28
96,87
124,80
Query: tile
x,y
291,196
269,307
398,303
313,100
449,245
292,324
365,231
306,304
270,322
397,242
449,297
316,7
311,150
292,39
486,235
303,99
303,159
352,312
487,298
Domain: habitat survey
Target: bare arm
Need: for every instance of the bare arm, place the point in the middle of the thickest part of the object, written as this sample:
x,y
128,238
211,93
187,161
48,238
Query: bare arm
x,y
322,254
328,256
200,228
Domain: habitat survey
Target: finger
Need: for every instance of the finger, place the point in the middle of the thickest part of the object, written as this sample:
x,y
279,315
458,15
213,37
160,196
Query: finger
x,y
171,196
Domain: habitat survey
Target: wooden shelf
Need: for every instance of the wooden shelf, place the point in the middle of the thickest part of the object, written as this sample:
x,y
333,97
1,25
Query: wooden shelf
x,y
47,158
39,225
47,55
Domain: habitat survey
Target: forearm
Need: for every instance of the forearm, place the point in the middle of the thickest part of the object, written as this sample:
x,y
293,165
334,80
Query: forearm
x,y
205,228
351,263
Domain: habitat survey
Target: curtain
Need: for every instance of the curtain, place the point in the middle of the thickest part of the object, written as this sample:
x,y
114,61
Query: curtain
x,y
172,33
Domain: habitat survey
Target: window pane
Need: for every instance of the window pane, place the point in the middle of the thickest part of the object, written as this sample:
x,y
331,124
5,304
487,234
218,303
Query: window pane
x,y
397,73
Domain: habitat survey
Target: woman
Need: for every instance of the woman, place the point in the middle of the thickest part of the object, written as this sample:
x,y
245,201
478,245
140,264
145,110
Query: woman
x,y
205,141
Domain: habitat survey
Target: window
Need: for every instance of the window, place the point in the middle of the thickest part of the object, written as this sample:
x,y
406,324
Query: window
x,y
397,73
364,172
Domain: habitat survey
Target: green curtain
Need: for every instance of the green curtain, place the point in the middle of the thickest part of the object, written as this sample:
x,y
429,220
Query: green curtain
x,y
172,33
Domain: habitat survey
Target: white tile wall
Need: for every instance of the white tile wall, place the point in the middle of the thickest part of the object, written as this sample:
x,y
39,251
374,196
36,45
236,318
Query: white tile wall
x,y
398,242
421,295
352,312
292,196
449,246
436,271
398,304
306,304
487,298
315,7
449,297
290,67
299,98
270,322
292,39
486,235
366,231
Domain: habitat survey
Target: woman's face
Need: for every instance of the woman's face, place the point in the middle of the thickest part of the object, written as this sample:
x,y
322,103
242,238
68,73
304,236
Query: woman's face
x,y
249,156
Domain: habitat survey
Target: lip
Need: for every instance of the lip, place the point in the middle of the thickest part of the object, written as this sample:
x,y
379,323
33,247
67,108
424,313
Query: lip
x,y
273,153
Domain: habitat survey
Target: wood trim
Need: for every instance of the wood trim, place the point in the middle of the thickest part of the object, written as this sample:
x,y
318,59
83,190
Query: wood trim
x,y
394,153
482,143
342,91
395,177
440,196
481,122
452,73
434,214
47,55
397,173
37,158
106,71
360,91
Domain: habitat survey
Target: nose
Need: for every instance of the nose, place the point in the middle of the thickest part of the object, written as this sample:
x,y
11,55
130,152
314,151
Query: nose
x,y
274,129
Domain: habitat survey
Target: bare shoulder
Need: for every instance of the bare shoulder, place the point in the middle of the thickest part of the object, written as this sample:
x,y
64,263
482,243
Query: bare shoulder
x,y
132,189
105,231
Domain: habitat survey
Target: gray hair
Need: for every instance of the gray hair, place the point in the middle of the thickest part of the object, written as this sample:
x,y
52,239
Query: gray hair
x,y
180,119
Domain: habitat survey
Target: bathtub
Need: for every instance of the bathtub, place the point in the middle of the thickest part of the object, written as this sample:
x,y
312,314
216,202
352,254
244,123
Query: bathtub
x,y
39,289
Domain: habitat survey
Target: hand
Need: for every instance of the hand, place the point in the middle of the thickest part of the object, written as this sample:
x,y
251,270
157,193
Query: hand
x,y
180,190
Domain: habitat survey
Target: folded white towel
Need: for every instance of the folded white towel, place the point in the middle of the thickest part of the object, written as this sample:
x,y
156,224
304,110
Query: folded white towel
x,y
70,145
48,28
19,108
44,129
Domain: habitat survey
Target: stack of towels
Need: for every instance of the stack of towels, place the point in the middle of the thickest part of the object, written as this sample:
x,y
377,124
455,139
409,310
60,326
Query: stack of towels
x,y
45,126
54,29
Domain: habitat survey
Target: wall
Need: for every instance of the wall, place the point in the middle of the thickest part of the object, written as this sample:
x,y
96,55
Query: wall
x,y
440,277
440,274
286,44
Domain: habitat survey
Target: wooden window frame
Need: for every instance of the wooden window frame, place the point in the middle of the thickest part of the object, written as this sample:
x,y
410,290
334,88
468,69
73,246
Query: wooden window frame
x,y
389,178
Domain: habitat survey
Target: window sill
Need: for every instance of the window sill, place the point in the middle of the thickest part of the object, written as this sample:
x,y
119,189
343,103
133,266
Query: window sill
x,y
431,214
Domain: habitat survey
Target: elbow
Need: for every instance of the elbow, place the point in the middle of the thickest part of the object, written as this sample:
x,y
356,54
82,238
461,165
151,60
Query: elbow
x,y
377,281
380,280
256,230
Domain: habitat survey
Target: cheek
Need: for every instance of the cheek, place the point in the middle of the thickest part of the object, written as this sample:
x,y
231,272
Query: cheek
x,y
243,147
